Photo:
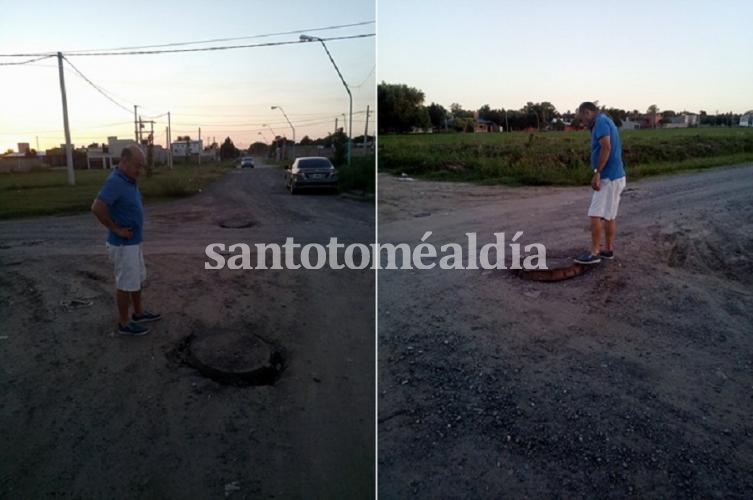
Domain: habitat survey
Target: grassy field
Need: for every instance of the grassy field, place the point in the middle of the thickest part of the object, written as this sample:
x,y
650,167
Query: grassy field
x,y
47,192
359,176
559,158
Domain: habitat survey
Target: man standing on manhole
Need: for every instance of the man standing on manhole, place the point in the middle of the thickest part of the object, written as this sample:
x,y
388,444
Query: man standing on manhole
x,y
118,207
608,181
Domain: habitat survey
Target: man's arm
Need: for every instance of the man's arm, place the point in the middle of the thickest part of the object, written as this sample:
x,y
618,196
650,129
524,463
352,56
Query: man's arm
x,y
99,209
606,148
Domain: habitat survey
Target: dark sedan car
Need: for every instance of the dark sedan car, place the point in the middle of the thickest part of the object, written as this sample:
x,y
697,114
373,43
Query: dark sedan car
x,y
310,172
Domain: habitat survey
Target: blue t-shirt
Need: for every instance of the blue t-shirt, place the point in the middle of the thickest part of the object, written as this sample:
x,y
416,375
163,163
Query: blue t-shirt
x,y
123,199
602,126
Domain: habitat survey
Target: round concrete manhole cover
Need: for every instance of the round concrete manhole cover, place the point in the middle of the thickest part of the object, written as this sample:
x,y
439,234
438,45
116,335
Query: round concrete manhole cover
x,y
233,358
559,269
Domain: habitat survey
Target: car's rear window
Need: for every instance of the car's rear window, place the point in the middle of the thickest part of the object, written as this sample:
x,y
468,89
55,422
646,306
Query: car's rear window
x,y
314,163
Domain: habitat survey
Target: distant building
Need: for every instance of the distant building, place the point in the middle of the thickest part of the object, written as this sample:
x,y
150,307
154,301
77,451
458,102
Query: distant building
x,y
23,147
98,158
628,124
651,120
186,148
684,120
746,120
483,126
116,146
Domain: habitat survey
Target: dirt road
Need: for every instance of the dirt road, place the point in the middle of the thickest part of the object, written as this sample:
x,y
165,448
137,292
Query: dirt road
x,y
634,379
88,414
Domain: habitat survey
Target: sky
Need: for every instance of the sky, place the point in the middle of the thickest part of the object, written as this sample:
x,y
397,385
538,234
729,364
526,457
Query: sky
x,y
628,54
227,93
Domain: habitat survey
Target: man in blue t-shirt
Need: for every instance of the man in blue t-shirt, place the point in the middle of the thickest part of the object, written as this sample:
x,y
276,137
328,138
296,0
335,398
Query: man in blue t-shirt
x,y
608,181
118,207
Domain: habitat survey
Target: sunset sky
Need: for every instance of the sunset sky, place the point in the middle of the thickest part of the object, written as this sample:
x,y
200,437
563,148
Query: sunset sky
x,y
679,55
226,93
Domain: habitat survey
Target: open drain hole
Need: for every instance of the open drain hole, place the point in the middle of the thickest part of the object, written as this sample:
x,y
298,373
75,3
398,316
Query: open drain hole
x,y
559,270
235,360
236,224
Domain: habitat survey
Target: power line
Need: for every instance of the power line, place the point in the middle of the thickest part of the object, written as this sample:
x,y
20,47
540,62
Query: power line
x,y
98,89
365,79
213,40
25,62
225,47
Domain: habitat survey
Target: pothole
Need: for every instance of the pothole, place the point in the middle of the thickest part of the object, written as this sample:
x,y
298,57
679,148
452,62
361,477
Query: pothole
x,y
559,269
236,223
230,358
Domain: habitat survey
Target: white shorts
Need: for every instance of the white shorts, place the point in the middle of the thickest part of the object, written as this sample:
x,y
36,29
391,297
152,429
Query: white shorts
x,y
606,200
130,271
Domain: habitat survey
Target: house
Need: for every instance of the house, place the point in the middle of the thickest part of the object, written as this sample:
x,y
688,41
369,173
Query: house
x,y
483,126
186,148
746,120
651,120
628,124
56,157
98,158
116,146
684,120
22,161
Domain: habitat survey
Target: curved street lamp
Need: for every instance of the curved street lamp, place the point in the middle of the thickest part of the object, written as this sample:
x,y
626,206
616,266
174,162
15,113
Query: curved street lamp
x,y
291,126
307,38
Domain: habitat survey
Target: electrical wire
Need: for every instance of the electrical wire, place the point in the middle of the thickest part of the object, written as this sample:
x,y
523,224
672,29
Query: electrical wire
x,y
26,62
365,79
214,40
98,89
224,47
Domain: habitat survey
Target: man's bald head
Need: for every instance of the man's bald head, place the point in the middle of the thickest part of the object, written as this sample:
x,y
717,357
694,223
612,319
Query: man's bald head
x,y
132,160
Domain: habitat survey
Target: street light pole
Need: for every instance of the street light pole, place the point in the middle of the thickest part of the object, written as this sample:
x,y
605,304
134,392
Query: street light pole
x,y
307,38
270,129
291,126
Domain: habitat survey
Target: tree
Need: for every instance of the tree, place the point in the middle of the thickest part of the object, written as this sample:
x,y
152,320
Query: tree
x,y
340,142
437,115
617,115
228,150
306,141
401,108
457,111
652,112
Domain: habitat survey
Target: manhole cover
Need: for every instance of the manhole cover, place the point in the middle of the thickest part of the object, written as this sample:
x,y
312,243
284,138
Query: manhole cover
x,y
559,269
236,224
232,358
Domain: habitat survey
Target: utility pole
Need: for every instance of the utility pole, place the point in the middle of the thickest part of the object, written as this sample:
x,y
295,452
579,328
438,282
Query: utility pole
x,y
135,124
335,125
150,149
200,148
366,130
68,147
169,143
167,140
